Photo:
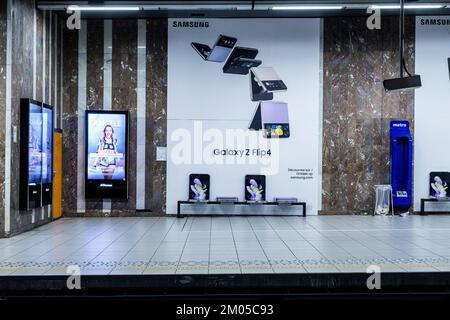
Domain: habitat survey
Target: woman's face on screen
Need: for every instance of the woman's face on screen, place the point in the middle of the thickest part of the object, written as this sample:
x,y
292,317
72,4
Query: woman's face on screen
x,y
108,132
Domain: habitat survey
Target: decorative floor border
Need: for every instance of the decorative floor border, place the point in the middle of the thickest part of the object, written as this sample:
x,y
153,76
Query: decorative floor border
x,y
204,265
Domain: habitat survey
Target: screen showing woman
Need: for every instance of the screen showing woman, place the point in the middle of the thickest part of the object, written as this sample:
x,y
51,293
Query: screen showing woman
x,y
106,146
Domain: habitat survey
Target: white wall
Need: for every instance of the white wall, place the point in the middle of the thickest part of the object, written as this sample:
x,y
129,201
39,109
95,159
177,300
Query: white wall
x,y
200,94
432,105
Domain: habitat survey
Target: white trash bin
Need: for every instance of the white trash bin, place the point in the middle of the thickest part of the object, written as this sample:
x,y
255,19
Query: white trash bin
x,y
383,200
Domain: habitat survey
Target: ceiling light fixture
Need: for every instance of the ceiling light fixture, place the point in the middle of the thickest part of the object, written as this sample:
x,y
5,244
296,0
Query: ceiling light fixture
x,y
196,7
102,8
306,7
409,6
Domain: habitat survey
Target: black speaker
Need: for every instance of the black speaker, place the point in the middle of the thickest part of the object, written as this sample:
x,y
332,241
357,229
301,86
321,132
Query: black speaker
x,y
448,61
403,83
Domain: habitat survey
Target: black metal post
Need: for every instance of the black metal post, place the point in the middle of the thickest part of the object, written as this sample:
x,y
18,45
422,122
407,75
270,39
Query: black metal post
x,y
402,34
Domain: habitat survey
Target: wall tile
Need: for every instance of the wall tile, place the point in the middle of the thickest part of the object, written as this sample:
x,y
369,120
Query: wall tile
x,y
156,122
124,97
3,28
357,110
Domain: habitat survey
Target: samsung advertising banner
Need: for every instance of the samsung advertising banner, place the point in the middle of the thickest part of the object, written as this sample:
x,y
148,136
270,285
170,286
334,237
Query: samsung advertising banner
x,y
244,100
432,112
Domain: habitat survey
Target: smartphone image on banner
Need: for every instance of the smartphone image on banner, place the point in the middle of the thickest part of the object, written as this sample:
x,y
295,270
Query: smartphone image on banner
x,y
220,50
241,60
273,118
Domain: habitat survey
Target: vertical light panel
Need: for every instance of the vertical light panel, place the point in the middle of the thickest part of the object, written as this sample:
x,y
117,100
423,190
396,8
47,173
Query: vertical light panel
x,y
44,86
82,65
319,173
50,60
52,79
7,196
48,208
34,54
44,48
107,65
107,81
141,99
33,211
62,78
55,70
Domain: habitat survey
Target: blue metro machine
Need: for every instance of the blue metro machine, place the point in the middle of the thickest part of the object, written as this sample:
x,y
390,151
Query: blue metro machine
x,y
401,164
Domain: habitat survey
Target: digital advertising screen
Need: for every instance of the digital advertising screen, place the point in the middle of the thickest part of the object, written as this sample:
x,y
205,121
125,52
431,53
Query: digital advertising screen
x,y
199,187
47,145
106,145
31,145
34,144
439,182
255,188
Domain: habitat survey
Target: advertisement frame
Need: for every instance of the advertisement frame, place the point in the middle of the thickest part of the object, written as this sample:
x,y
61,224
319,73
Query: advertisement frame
x,y
102,188
47,188
29,195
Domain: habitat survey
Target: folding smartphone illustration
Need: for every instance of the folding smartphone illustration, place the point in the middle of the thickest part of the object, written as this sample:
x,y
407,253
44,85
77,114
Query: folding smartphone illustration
x,y
241,60
264,81
219,51
255,188
272,117
199,187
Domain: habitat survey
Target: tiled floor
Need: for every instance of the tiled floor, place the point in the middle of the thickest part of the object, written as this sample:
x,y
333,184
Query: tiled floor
x,y
230,245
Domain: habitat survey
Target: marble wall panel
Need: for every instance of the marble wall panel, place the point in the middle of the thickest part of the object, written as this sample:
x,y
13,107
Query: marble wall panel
x,y
59,71
70,120
22,77
46,75
39,54
124,97
94,81
156,114
3,30
30,78
357,110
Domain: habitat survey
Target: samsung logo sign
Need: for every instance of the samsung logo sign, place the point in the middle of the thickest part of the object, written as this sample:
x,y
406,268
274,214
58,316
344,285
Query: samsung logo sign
x,y
435,22
190,24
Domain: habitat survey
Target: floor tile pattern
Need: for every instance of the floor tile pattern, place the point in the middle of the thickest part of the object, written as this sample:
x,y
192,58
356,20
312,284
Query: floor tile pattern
x,y
167,245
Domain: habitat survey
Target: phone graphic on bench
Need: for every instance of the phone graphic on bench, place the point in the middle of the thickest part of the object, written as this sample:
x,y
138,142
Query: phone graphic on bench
x,y
199,187
255,188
